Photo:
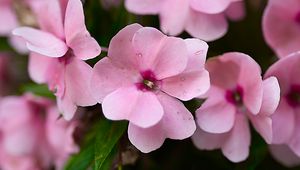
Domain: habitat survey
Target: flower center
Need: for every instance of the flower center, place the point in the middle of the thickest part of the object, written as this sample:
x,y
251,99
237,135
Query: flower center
x,y
297,18
235,96
149,82
293,96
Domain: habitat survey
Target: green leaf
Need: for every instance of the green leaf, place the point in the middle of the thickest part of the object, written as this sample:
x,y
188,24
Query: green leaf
x,y
37,89
106,140
99,147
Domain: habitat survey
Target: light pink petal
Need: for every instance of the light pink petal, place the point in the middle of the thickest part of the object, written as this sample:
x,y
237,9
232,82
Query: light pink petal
x,y
187,85
284,155
263,125
283,123
271,96
143,7
49,16
77,36
208,141
38,67
284,37
165,56
146,53
128,103
8,20
66,106
22,140
120,48
236,11
236,148
210,7
223,73
216,116
18,44
288,75
294,142
250,80
173,16
42,42
197,51
215,25
146,139
177,122
107,78
77,77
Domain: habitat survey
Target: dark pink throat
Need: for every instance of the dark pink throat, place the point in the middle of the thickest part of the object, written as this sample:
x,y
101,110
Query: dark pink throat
x,y
297,18
67,57
148,82
293,96
235,96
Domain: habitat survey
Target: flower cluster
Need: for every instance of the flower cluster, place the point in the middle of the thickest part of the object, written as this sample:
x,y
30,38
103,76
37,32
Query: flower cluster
x,y
145,77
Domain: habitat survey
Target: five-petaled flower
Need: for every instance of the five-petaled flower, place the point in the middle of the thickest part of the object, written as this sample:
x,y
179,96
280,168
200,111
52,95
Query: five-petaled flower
x,y
141,80
237,94
57,51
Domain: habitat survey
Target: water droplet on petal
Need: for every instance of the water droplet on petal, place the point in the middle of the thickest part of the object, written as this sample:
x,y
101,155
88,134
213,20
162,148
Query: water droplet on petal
x,y
199,52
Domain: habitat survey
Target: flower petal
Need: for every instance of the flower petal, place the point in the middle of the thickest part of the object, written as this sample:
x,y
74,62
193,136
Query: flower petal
x,y
165,56
215,25
77,87
38,67
216,117
236,148
102,84
197,51
177,122
128,103
187,85
41,42
121,50
143,7
271,96
173,16
208,141
8,20
146,139
263,125
210,7
283,123
78,38
284,37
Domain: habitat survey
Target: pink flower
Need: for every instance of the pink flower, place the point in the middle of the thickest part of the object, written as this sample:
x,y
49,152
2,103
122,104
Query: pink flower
x,y
57,53
14,14
284,155
139,81
204,19
237,94
29,140
286,120
281,22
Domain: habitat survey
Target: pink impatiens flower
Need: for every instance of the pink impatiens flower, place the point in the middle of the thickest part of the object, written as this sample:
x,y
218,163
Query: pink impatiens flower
x,y
204,19
237,94
58,50
31,136
281,26
286,119
141,80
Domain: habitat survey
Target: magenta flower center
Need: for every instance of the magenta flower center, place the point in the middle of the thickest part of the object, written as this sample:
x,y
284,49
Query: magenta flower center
x,y
297,18
148,82
293,96
235,96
